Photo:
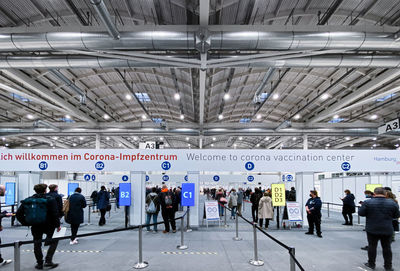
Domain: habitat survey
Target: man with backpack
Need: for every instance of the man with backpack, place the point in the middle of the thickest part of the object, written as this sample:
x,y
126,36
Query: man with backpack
x,y
167,201
152,209
41,213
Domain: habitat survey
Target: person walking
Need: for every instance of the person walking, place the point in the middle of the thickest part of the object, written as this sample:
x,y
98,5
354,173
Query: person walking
x,y
220,198
3,215
117,197
255,200
94,197
395,222
54,194
349,207
152,209
167,202
240,201
103,201
265,210
41,212
379,212
75,214
232,202
313,208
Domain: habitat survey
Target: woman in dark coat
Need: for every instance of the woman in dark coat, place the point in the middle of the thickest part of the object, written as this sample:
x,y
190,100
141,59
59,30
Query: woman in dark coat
x,y
349,207
103,200
75,213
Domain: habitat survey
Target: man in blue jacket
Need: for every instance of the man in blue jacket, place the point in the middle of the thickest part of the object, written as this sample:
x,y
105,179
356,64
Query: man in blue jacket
x,y
313,208
379,212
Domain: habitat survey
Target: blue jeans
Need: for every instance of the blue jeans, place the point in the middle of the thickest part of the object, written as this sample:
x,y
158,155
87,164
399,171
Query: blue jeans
x,y
221,210
154,221
233,211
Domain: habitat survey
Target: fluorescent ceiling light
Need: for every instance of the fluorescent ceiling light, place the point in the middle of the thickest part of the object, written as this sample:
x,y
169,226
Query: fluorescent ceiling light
x,y
373,117
325,96
29,116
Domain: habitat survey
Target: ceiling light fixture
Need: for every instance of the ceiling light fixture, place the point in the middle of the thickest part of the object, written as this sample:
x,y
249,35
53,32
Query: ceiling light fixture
x,y
351,145
297,117
55,137
144,117
187,138
128,97
258,116
212,145
374,139
81,138
347,138
258,145
325,96
240,138
182,117
220,116
227,96
74,144
29,138
214,138
266,139
373,117
29,116
177,96
294,138
336,116
161,138
107,138
106,117
135,138
68,117
275,96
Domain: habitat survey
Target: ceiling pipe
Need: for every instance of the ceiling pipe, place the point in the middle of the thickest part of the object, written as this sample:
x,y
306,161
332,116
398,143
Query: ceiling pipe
x,y
75,61
70,84
186,40
105,17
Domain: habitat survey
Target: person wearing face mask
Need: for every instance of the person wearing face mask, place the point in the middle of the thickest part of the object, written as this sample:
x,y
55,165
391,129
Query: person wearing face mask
x,y
368,195
349,207
313,208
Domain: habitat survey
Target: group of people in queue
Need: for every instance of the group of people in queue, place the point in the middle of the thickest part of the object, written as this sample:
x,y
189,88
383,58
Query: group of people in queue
x,y
166,200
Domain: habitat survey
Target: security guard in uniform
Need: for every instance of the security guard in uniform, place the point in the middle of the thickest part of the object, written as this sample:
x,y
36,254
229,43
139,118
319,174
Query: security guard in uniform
x,y
313,208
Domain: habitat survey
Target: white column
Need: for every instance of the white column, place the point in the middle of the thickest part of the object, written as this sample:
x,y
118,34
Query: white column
x,y
138,198
97,142
25,184
304,183
194,177
305,142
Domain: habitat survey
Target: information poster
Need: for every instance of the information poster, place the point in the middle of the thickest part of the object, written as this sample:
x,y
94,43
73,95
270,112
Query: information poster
x,y
278,194
72,187
294,212
212,212
371,187
10,193
125,194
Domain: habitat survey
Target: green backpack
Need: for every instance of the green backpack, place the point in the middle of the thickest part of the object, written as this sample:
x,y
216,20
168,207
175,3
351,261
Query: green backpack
x,y
33,211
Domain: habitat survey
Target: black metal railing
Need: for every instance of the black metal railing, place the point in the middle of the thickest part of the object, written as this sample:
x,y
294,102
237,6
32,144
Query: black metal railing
x,y
341,205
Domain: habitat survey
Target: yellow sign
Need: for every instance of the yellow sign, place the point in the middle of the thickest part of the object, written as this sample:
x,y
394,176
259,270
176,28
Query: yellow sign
x,y
371,187
278,194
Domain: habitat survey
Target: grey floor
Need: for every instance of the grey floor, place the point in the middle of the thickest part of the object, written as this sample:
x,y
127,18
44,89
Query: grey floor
x,y
209,249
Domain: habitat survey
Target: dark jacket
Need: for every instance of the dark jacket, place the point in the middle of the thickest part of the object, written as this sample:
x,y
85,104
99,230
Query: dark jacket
x,y
162,197
103,198
94,196
59,201
156,200
379,212
314,205
76,204
349,205
52,216
255,198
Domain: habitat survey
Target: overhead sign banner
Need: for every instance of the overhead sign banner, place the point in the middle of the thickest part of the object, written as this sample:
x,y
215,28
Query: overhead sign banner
x,y
212,212
125,194
278,194
371,187
84,160
391,126
10,193
72,187
148,145
187,194
294,212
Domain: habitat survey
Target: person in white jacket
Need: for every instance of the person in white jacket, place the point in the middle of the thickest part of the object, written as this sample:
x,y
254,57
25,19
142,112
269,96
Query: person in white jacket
x,y
265,210
232,203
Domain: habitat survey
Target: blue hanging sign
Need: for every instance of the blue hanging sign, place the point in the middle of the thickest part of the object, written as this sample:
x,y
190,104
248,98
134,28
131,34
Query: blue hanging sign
x,y
125,194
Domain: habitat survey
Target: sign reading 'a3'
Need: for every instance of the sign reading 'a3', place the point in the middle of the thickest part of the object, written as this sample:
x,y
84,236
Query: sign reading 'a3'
x,y
391,126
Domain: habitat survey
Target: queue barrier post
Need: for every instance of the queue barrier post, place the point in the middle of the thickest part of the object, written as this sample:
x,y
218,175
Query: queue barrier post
x,y
141,264
237,238
223,207
358,218
188,229
292,253
17,256
328,209
89,215
255,261
13,217
182,245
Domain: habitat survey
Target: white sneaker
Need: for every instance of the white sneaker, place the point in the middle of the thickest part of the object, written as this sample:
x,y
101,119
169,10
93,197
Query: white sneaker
x,y
74,242
4,262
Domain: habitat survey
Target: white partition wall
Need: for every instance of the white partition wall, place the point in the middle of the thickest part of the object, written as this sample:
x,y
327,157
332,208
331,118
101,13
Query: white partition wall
x,y
25,184
304,183
138,197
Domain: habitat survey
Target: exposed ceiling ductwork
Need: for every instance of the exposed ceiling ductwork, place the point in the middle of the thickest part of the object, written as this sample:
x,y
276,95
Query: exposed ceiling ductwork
x,y
186,40
74,61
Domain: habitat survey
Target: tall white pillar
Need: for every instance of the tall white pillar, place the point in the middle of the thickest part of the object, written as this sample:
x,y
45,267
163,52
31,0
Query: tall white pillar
x,y
26,182
305,142
138,198
194,177
97,142
304,183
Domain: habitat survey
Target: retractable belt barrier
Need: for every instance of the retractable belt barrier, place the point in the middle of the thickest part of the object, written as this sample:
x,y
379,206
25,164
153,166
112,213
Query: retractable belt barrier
x,y
341,205
139,265
255,261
